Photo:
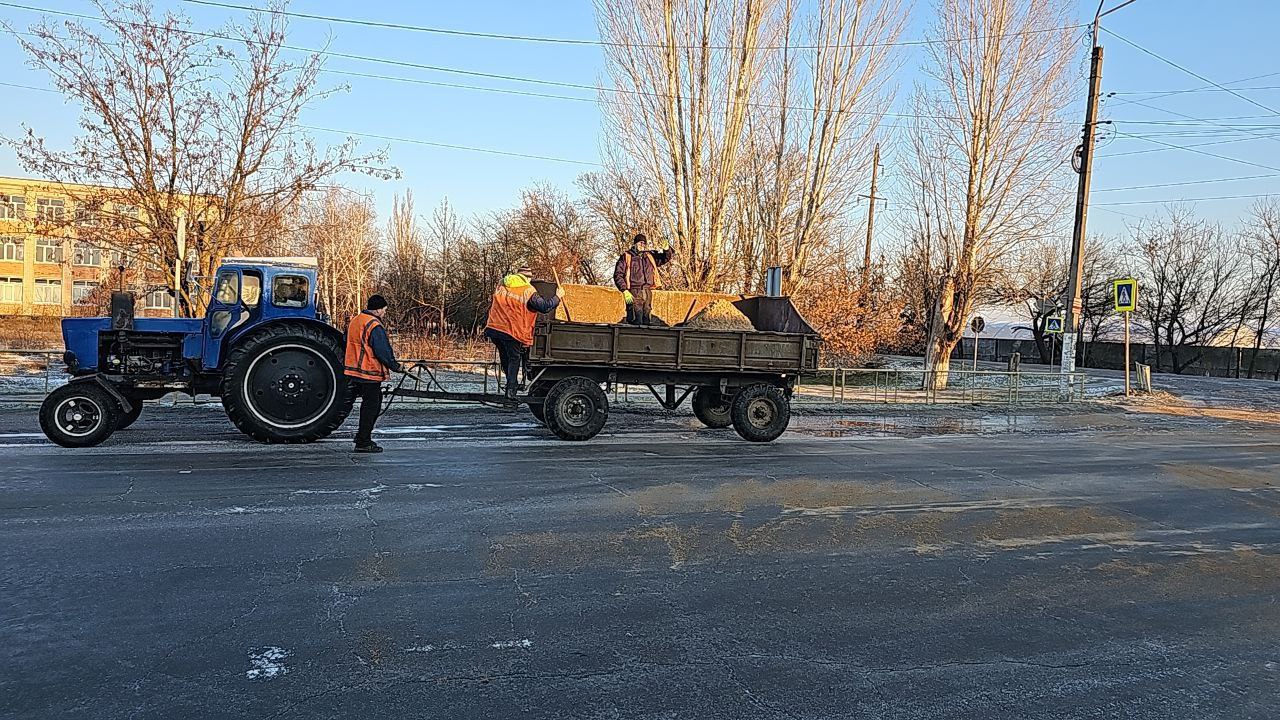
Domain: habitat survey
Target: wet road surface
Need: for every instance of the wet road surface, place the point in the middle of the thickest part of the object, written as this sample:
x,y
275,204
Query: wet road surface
x,y
1055,566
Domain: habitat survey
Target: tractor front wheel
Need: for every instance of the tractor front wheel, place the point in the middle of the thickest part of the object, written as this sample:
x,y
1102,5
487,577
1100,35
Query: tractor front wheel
x,y
284,383
79,414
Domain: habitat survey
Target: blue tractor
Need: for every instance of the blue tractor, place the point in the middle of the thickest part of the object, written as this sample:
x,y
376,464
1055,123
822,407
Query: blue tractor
x,y
262,347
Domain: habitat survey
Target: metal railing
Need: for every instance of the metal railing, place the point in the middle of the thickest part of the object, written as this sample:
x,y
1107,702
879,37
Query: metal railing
x,y
36,372
891,386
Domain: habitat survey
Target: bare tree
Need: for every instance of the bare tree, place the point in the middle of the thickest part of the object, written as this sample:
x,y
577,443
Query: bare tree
x,y
752,120
1036,283
1190,279
176,123
989,146
338,228
687,72
1263,289
548,232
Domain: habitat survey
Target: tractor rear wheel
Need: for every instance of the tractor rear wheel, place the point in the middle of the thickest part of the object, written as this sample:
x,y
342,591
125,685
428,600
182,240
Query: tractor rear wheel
x,y
79,414
284,383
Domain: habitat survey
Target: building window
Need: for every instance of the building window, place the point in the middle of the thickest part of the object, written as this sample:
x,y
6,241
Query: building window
x,y
48,250
11,290
13,207
88,255
127,214
117,258
48,292
51,208
81,290
13,247
86,216
159,300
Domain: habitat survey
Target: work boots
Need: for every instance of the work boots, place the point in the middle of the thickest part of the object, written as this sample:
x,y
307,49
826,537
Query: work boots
x,y
511,396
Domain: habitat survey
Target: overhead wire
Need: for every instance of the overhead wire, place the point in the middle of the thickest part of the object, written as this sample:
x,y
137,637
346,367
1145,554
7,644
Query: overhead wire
x,y
603,43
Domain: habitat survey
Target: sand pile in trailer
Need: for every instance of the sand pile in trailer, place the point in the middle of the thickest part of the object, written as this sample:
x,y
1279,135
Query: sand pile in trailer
x,y
599,304
591,304
720,315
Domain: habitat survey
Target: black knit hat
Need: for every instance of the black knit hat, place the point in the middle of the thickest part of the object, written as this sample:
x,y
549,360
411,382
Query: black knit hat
x,y
376,302
639,238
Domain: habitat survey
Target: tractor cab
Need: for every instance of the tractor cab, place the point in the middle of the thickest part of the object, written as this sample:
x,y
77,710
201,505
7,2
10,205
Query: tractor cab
x,y
249,291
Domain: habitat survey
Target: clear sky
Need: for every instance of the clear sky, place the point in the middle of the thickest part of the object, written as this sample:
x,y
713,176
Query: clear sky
x,y
1226,42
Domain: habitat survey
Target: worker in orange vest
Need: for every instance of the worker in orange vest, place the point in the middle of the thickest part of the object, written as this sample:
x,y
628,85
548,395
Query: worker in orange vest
x,y
636,275
515,307
369,362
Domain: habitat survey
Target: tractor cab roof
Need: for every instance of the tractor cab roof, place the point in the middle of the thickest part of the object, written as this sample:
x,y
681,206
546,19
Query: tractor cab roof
x,y
298,262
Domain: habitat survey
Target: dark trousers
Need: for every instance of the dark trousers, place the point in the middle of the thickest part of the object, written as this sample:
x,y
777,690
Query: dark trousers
x,y
640,311
511,355
370,394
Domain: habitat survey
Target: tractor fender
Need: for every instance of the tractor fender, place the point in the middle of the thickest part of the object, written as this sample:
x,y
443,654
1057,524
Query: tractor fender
x,y
324,327
101,380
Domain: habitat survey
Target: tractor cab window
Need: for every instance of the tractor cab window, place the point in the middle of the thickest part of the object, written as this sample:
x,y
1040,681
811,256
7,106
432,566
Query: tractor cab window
x,y
227,291
290,291
251,289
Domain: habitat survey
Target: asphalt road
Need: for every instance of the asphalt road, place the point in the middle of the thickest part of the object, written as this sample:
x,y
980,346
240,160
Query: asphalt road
x,y
1102,565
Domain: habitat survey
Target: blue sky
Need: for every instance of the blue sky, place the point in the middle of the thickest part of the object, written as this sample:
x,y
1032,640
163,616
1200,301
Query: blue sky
x,y
1221,41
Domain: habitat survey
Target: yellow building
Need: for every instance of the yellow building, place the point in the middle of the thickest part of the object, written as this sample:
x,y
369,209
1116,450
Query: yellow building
x,y
48,266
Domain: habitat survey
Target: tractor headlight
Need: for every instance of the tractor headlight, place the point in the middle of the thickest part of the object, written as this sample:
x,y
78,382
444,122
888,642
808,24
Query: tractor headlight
x,y
69,359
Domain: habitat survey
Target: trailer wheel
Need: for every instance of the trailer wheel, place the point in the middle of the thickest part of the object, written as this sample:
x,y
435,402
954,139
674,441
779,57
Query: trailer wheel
x,y
284,383
576,408
712,408
125,419
79,414
761,412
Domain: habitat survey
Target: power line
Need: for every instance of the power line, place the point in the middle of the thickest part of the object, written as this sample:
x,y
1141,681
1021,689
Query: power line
x,y
1192,73
596,42
1157,94
415,141
448,146
476,73
1199,152
1197,199
1189,182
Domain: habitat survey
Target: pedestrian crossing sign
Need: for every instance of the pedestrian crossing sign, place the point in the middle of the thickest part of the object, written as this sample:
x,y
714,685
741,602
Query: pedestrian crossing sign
x,y
1126,293
1054,324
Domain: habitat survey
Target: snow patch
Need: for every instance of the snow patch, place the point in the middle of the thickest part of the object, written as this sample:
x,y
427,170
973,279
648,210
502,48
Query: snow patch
x,y
268,663
21,435
420,648
511,644
419,486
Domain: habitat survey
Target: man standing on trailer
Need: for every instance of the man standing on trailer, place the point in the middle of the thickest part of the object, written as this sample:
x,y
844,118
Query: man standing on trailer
x,y
636,275
369,362
514,310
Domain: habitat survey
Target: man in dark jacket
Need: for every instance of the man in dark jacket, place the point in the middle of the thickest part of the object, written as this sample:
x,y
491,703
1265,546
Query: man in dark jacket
x,y
369,362
636,275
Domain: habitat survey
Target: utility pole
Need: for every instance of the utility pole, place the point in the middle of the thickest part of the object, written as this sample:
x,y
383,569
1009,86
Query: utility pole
x,y
1085,154
180,245
1071,326
871,214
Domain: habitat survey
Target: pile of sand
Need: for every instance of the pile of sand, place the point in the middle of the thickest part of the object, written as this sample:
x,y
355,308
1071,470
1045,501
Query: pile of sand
x,y
720,315
600,304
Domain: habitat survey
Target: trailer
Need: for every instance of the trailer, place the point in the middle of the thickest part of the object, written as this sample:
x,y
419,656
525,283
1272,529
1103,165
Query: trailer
x,y
739,378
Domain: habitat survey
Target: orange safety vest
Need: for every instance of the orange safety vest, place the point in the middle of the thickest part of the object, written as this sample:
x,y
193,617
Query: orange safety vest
x,y
360,362
657,281
510,311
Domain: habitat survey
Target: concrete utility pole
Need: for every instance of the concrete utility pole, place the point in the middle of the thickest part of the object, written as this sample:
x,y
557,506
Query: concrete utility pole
x,y
871,213
1085,153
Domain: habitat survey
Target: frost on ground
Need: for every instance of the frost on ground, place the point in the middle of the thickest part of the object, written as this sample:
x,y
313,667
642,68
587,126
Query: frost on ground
x,y
267,662
511,644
